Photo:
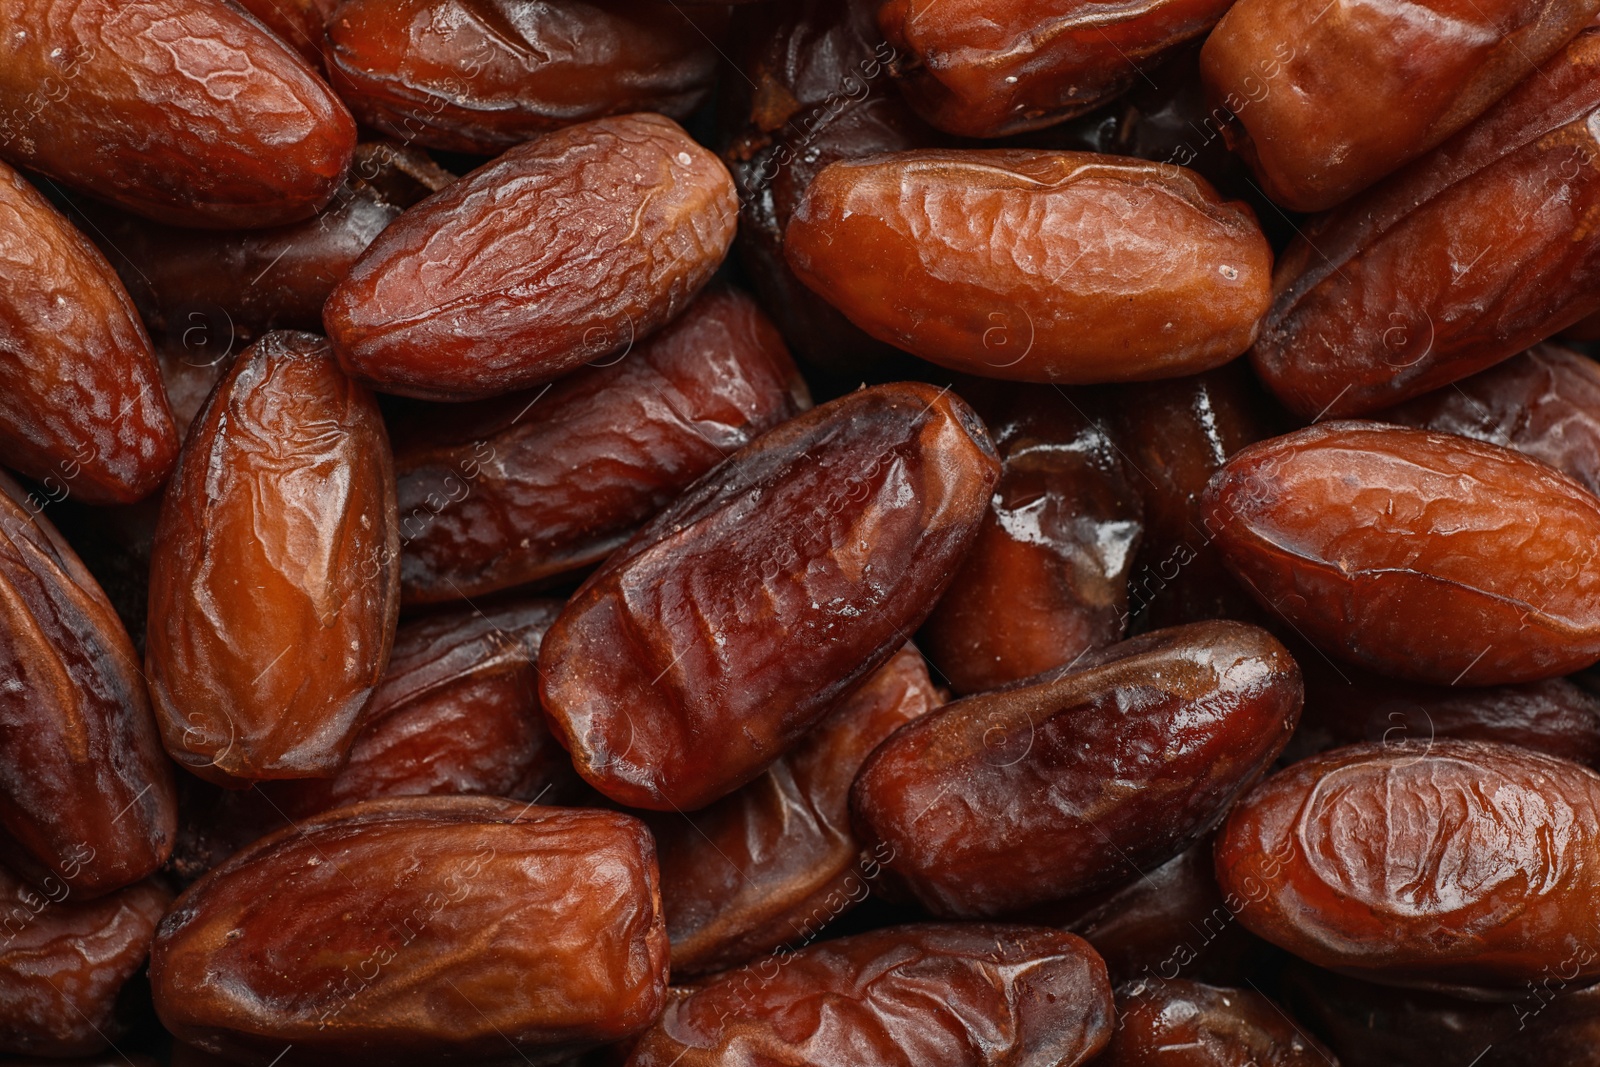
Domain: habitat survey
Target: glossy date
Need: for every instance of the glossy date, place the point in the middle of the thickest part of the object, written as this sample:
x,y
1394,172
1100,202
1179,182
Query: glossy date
x,y
1188,1024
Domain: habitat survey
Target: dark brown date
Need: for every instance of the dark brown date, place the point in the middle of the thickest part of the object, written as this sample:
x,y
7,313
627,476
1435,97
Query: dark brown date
x,y
1422,555
446,930
1085,268
64,961
1077,779
1186,1024
274,577
776,861
1047,578
731,624
961,996
563,251
1462,862
86,794
184,111
524,487
484,75
82,410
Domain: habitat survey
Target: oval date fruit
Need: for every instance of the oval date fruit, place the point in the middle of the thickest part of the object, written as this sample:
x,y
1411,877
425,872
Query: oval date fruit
x,y
484,75
298,23
731,624
446,930
82,409
86,794
958,996
1035,266
274,578
1187,1024
1422,555
1464,862
184,111
564,250
524,487
1079,778
776,861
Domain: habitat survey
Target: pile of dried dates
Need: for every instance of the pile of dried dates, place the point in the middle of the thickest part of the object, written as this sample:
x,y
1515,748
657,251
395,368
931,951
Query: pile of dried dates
x,y
800,533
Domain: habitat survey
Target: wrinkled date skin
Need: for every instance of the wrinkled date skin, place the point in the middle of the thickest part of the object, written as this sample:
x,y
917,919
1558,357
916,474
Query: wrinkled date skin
x,y
1329,100
1187,1024
86,795
445,929
565,250
1047,578
980,69
774,862
82,410
298,23
1476,251
1544,403
274,577
1461,862
1035,266
532,485
184,111
63,962
731,624
1078,779
962,996
484,75
1422,555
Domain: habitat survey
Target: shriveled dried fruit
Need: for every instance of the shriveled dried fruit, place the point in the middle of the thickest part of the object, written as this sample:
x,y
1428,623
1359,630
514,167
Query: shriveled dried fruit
x,y
275,578
1187,1024
732,623
446,929
564,250
1035,266
298,23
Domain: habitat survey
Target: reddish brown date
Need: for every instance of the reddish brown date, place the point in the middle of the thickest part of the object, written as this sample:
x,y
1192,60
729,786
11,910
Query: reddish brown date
x,y
274,577
528,486
1473,253
1079,778
564,250
1047,578
1327,100
298,23
82,410
1422,555
1463,862
446,929
184,111
1187,1024
86,794
1035,266
1544,403
484,75
961,996
732,623
775,862
64,961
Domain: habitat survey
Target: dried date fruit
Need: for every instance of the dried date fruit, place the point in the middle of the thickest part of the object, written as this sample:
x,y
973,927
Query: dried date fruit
x,y
1325,101
563,251
274,577
86,795
298,23
533,485
63,961
184,111
82,409
1047,578
704,648
1035,266
776,861
986,70
1468,256
1187,1024
484,75
956,995
1079,778
1461,862
446,929
1422,555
